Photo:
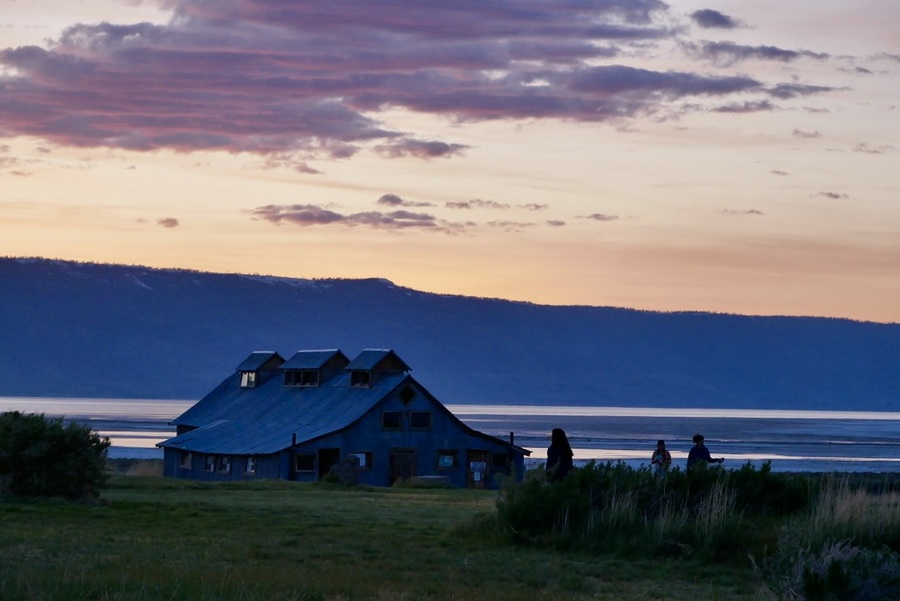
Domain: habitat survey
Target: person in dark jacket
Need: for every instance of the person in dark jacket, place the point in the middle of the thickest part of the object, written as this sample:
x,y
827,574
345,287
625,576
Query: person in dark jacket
x,y
559,455
699,453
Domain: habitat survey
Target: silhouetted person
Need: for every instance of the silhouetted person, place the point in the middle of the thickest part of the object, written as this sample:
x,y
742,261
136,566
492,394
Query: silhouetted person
x,y
661,459
699,453
559,455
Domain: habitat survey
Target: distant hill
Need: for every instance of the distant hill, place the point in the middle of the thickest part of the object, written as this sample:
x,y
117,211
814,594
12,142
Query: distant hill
x,y
92,330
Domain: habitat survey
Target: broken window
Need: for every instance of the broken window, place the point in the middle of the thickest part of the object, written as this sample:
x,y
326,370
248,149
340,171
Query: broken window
x,y
251,466
225,465
209,464
187,460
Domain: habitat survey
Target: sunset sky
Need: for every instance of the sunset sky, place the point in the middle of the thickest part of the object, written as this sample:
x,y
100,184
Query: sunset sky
x,y
735,156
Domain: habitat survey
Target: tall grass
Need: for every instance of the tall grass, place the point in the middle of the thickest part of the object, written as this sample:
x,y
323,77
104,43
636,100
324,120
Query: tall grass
x,y
612,507
845,547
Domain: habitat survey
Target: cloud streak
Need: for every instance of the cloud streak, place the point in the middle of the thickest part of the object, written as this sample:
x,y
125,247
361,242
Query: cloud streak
x,y
301,79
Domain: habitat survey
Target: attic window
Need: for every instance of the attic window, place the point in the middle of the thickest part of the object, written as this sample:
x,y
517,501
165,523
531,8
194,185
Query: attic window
x,y
301,377
407,395
360,378
248,379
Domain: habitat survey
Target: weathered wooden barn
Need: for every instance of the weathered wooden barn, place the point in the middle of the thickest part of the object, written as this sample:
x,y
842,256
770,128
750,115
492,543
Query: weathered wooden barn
x,y
297,419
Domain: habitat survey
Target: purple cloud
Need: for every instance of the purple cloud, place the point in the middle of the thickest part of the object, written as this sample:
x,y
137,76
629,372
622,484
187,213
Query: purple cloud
x,y
392,200
304,80
713,19
476,203
833,195
419,149
167,222
798,133
312,215
742,212
729,53
601,217
865,148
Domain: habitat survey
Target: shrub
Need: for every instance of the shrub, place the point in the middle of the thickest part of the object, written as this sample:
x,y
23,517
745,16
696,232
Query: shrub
x,y
614,507
839,571
45,457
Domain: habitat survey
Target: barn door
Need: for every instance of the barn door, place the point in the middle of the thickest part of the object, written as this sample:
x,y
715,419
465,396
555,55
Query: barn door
x,y
478,463
403,464
327,459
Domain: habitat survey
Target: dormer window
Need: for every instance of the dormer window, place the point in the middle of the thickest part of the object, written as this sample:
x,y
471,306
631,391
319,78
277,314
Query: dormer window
x,y
360,378
301,377
248,379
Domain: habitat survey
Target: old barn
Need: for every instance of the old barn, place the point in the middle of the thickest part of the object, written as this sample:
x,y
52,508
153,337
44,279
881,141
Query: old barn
x,y
297,419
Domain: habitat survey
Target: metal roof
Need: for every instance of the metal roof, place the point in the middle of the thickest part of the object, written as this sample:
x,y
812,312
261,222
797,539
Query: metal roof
x,y
264,419
369,358
256,360
312,359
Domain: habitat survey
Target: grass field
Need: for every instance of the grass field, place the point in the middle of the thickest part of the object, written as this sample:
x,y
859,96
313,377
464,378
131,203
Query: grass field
x,y
150,538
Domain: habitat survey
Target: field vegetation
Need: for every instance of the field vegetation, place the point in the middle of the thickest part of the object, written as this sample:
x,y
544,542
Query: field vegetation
x,y
607,532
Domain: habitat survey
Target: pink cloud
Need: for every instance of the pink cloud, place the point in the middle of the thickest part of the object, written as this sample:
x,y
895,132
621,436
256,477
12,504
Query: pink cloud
x,y
311,78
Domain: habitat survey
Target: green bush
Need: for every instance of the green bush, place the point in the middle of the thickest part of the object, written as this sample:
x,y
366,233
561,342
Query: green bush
x,y
839,571
614,507
46,457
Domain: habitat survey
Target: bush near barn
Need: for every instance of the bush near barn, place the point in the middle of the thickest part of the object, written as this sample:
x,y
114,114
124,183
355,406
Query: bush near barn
x,y
45,457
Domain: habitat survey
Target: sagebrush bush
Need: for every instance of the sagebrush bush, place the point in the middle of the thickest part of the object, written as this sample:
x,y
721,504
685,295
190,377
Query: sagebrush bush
x,y
838,571
46,457
615,507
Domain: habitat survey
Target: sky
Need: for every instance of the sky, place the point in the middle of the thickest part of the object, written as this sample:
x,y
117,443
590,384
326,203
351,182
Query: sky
x,y
733,156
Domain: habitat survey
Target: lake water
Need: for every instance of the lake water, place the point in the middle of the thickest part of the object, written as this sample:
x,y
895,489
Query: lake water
x,y
819,441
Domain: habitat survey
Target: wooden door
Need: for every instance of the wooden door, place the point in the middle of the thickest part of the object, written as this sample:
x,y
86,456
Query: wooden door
x,y
403,465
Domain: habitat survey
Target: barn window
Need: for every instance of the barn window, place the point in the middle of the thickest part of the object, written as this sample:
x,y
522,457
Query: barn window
x,y
209,464
407,395
305,463
391,420
248,379
447,459
187,460
225,465
420,420
360,378
365,459
250,468
301,377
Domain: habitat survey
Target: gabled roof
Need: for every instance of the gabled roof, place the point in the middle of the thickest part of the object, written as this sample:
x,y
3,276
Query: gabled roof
x,y
266,419
314,359
370,358
258,359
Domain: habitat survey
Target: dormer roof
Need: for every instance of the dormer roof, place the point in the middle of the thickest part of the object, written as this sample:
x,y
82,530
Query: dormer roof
x,y
372,359
316,359
261,360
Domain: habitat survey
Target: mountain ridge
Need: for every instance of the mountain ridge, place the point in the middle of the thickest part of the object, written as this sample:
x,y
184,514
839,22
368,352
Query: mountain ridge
x,y
106,330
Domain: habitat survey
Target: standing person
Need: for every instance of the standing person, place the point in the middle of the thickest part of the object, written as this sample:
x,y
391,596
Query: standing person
x,y
559,455
661,459
699,453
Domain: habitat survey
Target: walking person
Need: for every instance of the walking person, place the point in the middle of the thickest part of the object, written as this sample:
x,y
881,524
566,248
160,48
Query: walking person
x,y
661,459
559,455
700,454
